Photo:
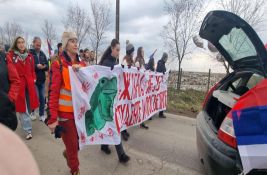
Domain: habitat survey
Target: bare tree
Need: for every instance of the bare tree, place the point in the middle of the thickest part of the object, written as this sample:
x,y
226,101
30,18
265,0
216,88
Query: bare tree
x,y
79,21
225,64
49,31
182,26
26,38
251,11
10,31
2,35
100,22
211,51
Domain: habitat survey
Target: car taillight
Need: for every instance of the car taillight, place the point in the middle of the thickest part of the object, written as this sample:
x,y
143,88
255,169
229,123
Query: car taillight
x,y
209,94
226,132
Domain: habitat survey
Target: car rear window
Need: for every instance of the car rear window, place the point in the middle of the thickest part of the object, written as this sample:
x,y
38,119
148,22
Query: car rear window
x,y
237,44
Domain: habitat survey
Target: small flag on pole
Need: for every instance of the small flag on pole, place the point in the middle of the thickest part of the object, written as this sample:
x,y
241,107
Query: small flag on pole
x,y
49,47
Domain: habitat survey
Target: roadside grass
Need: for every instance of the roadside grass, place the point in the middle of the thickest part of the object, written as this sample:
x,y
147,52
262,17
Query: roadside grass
x,y
185,102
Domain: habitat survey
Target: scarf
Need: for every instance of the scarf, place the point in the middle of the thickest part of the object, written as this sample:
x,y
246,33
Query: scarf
x,y
22,56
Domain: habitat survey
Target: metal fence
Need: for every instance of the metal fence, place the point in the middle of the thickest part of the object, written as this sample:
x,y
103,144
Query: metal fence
x,y
200,81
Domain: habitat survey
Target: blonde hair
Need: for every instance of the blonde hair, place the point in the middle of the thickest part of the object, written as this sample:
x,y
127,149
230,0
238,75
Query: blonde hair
x,y
14,46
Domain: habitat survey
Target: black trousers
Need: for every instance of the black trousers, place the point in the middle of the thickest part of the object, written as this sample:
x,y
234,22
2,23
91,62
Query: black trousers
x,y
7,112
119,149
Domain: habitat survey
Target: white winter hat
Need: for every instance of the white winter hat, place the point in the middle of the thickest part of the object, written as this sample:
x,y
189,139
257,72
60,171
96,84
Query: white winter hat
x,y
66,37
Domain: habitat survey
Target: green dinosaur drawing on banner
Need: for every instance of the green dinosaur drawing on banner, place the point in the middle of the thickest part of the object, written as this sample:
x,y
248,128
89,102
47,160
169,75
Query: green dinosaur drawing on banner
x,y
101,103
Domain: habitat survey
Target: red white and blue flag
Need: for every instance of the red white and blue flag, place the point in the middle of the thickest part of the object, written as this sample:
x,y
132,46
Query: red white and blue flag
x,y
250,125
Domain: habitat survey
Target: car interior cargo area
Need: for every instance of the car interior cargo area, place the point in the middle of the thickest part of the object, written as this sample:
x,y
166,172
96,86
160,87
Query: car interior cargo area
x,y
224,98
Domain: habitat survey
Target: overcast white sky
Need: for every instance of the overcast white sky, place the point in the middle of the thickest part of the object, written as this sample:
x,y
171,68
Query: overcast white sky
x,y
141,23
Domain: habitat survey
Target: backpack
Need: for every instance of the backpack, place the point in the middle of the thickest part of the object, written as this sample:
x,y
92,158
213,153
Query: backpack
x,y
57,58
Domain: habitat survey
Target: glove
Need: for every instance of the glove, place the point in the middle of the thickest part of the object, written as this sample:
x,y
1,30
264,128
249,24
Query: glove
x,y
58,131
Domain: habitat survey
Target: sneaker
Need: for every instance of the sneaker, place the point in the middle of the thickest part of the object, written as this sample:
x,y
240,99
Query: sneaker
x,y
124,158
29,136
64,154
144,126
106,150
42,118
127,134
162,116
33,116
124,136
76,173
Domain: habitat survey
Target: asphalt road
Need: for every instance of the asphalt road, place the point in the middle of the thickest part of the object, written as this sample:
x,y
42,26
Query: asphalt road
x,y
167,148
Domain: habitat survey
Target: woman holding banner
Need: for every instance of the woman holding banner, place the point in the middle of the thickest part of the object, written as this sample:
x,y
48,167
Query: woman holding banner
x,y
128,61
162,69
128,58
140,63
60,109
139,60
109,59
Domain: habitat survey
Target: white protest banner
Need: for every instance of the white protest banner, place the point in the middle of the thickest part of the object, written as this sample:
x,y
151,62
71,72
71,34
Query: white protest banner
x,y
108,101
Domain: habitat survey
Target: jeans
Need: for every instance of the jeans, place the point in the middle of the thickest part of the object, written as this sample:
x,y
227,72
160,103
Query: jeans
x,y
25,121
40,88
24,117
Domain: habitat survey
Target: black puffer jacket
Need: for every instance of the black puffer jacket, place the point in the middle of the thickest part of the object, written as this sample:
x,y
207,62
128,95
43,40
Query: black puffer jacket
x,y
7,108
150,65
161,66
110,61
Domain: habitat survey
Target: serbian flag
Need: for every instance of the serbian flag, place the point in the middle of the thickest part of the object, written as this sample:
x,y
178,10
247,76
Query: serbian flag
x,y
250,126
49,47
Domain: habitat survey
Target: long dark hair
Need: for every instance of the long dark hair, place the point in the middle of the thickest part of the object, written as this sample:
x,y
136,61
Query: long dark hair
x,y
108,51
139,58
14,46
129,60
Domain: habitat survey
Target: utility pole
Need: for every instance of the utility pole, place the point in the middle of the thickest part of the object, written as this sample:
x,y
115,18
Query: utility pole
x,y
118,20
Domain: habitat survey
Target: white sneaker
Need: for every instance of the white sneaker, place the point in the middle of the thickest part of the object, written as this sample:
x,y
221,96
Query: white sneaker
x,y
32,116
28,136
42,118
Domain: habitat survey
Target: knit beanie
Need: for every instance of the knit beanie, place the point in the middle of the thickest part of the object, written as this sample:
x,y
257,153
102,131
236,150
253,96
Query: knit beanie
x,y
66,37
129,49
164,56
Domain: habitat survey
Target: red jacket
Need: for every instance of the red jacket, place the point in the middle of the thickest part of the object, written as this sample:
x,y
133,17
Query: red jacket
x,y
55,84
27,77
14,81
